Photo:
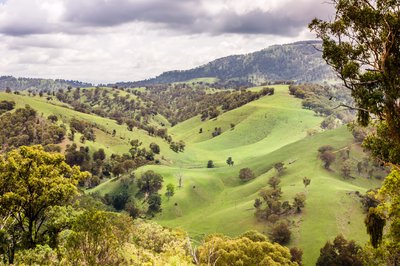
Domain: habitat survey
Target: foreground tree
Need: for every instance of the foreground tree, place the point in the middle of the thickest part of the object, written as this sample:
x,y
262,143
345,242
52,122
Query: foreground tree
x,y
31,182
251,248
362,45
340,252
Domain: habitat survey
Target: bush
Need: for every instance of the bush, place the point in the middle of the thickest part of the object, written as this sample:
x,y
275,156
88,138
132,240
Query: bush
x,y
246,174
281,233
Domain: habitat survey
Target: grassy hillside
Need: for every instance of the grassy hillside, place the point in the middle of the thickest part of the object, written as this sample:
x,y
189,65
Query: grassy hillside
x,y
266,131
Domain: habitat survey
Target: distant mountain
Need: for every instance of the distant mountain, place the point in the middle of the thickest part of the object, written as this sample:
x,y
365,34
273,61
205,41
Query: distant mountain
x,y
300,61
38,83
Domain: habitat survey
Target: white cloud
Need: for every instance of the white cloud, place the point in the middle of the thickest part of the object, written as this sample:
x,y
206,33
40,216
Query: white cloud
x,y
84,40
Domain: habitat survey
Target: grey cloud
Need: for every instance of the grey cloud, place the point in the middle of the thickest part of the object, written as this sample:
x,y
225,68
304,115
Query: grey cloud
x,y
181,16
110,13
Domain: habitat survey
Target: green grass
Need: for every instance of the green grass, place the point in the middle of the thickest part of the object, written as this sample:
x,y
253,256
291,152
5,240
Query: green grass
x,y
270,130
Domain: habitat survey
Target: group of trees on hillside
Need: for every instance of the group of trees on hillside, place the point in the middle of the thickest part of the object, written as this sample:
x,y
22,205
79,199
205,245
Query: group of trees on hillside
x,y
26,127
325,101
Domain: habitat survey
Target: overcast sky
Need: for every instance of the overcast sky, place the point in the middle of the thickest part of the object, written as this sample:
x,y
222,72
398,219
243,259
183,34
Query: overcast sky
x,y
103,41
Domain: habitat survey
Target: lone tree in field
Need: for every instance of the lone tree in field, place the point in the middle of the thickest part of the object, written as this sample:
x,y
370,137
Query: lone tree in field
x,y
210,164
279,167
229,161
326,155
246,174
306,181
170,190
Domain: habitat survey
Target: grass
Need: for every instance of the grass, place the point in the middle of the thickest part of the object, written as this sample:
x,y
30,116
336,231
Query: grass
x,y
270,130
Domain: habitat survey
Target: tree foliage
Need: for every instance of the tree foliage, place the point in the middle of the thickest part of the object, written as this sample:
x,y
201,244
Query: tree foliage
x,y
340,252
361,43
31,182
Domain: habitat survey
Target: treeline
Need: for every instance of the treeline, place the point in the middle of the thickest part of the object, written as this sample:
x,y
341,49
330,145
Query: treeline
x,y
326,101
18,84
137,109
180,102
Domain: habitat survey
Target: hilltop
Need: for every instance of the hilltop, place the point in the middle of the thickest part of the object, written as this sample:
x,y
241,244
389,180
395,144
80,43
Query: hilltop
x,y
300,62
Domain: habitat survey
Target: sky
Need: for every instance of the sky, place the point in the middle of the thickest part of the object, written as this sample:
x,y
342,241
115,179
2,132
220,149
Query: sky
x,y
105,41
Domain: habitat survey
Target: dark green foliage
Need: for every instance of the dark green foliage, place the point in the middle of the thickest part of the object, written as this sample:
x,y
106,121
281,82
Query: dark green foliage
x,y
210,164
229,161
177,146
326,155
99,155
279,167
306,181
155,148
52,118
217,132
83,127
280,233
341,253
154,202
150,182
297,255
361,44
246,174
25,127
6,106
375,224
170,190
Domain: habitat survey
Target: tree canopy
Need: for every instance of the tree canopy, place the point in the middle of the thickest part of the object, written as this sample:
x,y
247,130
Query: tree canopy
x,y
362,45
32,181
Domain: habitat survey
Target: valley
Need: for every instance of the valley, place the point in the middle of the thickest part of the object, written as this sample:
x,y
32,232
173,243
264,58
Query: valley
x,y
214,200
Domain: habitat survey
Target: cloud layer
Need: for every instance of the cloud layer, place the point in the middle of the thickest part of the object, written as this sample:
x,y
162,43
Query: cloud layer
x,y
147,36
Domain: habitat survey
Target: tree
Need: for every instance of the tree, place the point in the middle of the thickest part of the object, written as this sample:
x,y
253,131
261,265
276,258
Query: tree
x,y
361,44
99,155
299,201
210,164
155,148
279,167
328,157
340,252
229,161
150,182
306,181
31,182
246,174
154,202
53,118
249,249
280,233
170,190
346,168
274,182
297,255
98,237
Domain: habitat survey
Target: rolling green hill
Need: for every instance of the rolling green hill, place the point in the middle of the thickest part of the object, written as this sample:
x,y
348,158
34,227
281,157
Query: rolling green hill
x,y
257,135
